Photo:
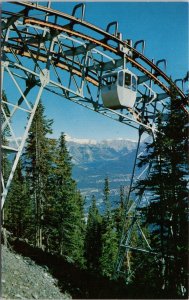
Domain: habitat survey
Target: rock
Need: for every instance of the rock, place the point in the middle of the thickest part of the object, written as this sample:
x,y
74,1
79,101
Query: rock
x,y
34,296
18,296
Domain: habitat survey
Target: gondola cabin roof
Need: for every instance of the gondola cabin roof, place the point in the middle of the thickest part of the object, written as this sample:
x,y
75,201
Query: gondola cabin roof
x,y
113,73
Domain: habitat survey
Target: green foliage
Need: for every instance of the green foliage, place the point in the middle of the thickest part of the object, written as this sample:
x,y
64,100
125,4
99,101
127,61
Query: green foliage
x,y
38,155
44,204
109,249
17,209
109,237
120,213
38,162
107,196
167,212
64,212
93,237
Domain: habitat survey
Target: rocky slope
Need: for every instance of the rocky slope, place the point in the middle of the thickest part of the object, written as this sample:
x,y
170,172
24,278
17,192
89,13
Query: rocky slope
x,y
23,279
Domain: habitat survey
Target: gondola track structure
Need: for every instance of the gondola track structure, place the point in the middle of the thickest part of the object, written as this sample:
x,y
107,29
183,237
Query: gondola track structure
x,y
43,49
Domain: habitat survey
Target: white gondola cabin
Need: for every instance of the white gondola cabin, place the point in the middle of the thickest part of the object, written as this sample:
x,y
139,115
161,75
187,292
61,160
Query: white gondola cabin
x,y
119,89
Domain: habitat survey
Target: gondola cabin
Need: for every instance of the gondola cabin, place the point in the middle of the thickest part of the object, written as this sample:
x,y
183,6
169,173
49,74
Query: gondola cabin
x,y
119,89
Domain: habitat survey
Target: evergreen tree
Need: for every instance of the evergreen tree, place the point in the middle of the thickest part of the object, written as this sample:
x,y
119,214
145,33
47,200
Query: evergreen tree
x,y
93,237
66,205
77,231
18,207
109,250
107,197
120,213
109,237
167,188
38,164
50,221
123,216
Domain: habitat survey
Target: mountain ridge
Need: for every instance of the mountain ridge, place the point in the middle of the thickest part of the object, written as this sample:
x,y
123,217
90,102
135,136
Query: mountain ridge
x,y
83,152
93,141
96,160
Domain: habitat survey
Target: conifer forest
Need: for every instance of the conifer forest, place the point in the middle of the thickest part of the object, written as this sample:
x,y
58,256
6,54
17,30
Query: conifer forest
x,y
46,208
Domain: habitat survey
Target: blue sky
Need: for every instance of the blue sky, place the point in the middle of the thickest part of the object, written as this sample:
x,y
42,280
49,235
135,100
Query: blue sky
x,y
162,25
164,28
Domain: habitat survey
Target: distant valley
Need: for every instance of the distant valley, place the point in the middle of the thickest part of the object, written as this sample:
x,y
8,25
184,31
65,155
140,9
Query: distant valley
x,y
93,161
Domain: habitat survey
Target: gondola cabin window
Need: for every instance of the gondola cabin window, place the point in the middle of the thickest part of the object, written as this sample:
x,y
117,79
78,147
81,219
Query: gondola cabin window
x,y
127,80
134,83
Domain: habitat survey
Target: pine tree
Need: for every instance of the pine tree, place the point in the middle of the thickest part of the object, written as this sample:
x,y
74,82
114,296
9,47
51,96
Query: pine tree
x,y
167,190
50,220
107,196
18,207
38,163
67,207
109,237
120,213
77,231
109,250
123,216
93,237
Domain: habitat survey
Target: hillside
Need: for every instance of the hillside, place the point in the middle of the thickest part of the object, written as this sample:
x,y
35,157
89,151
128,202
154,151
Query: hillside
x,y
31,273
23,279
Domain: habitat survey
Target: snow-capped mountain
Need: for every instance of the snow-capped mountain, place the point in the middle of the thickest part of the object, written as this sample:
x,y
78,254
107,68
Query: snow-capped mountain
x,y
94,160
85,151
79,141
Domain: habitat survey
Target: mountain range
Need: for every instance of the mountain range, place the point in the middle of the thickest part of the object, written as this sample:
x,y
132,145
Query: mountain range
x,y
93,161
